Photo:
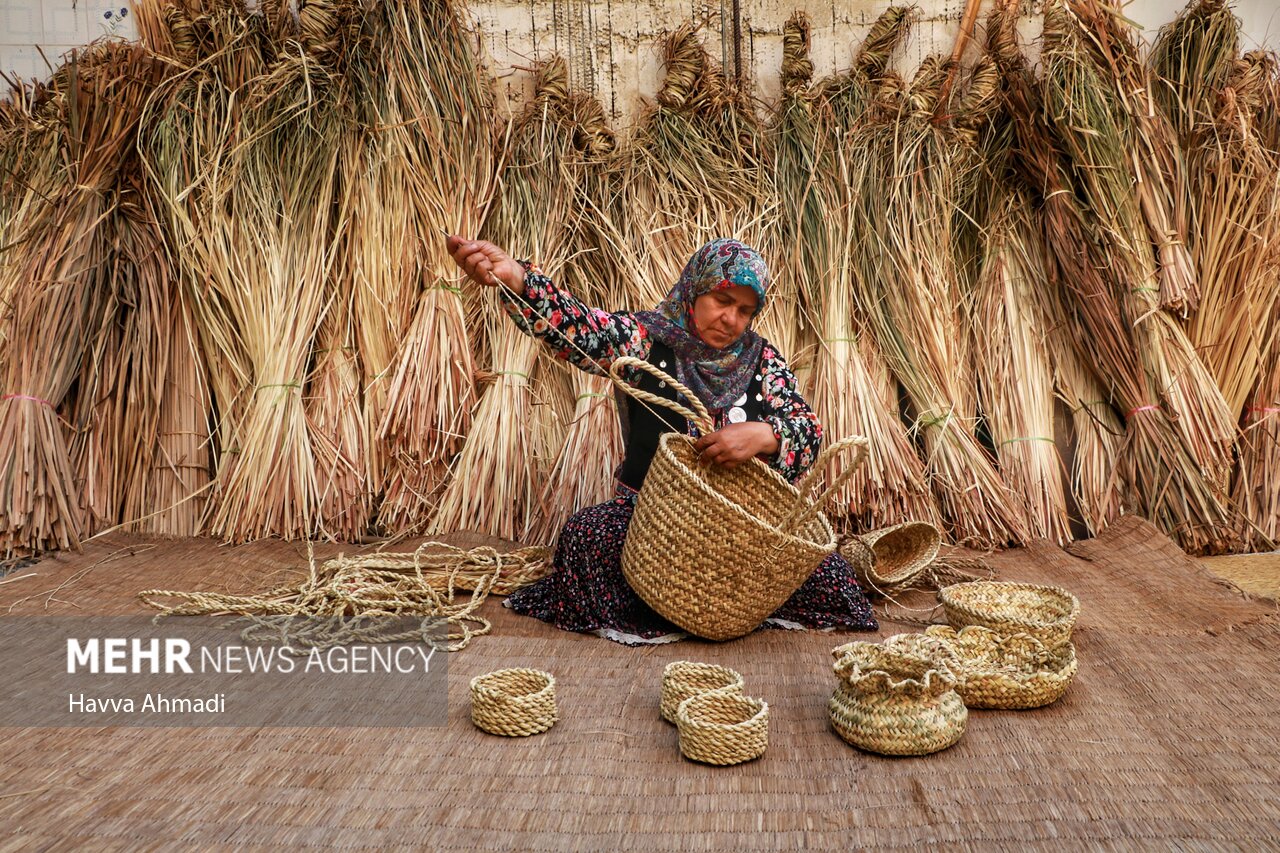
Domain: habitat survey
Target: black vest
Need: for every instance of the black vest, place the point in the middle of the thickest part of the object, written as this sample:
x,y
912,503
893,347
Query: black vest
x,y
644,424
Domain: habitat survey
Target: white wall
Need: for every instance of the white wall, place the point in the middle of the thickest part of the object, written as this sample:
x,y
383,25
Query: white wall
x,y
610,44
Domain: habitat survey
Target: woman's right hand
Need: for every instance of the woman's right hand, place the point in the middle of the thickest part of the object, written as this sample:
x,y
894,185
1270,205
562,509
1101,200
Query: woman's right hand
x,y
485,263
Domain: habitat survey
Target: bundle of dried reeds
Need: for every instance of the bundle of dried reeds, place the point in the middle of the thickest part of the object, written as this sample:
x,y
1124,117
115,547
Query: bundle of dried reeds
x,y
1093,127
188,133
1015,364
439,127
583,471
912,174
95,102
1190,60
1161,478
851,390
682,180
1155,165
503,464
1247,120
281,245
1214,97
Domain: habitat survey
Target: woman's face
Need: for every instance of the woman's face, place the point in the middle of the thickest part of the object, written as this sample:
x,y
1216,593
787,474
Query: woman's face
x,y
721,316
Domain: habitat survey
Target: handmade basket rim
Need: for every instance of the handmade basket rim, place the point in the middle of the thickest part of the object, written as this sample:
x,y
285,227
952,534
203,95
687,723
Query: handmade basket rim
x,y
1058,663
819,519
683,712
909,569
955,596
936,678
670,670
484,684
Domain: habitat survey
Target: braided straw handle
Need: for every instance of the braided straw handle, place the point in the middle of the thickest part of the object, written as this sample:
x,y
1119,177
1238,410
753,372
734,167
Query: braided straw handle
x,y
701,419
803,511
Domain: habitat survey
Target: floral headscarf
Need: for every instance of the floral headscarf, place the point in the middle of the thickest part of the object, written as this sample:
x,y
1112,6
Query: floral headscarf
x,y
718,376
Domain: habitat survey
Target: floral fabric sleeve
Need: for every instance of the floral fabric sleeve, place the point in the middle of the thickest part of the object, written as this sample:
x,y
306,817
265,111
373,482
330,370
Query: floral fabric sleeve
x,y
794,423
586,337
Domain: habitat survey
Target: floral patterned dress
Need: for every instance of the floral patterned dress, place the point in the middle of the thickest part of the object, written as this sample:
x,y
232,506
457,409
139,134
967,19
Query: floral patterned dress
x,y
586,590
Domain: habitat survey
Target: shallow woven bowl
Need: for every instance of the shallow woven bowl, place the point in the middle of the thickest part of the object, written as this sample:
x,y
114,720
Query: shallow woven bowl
x,y
1047,613
722,727
901,552
1009,672
704,549
682,679
514,702
894,703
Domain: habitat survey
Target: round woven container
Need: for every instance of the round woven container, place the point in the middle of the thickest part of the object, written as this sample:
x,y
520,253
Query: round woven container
x,y
514,702
722,727
1047,613
682,679
894,703
900,553
1009,672
716,551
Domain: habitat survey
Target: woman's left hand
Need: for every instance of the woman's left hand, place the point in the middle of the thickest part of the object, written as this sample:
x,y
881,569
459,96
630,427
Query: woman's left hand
x,y
737,443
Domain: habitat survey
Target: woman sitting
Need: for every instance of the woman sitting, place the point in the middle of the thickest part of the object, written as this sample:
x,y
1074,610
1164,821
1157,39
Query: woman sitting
x,y
700,334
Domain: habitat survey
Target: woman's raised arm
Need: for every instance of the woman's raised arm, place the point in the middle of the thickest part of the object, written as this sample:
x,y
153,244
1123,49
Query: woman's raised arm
x,y
587,337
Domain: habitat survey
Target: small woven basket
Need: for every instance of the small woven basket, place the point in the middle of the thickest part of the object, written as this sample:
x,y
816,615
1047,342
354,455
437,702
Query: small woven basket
x,y
682,679
1009,672
895,703
1047,613
714,550
899,554
514,702
722,727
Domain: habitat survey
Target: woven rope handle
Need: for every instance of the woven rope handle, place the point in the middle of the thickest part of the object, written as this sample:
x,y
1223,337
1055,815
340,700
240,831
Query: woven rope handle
x,y
803,509
701,419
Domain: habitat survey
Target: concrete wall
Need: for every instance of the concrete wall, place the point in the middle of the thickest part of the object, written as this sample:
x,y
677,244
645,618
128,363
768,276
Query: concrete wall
x,y
610,44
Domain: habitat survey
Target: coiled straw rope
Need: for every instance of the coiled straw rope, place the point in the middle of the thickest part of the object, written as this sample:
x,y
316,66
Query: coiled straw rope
x,y
353,599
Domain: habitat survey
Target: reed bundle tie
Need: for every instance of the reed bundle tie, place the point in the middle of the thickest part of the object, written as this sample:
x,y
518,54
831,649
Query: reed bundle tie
x,y
1026,438
29,398
356,596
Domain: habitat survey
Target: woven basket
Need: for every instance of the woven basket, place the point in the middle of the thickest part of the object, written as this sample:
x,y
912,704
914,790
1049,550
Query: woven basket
x,y
895,703
899,553
682,679
716,551
723,727
514,702
1047,613
1010,672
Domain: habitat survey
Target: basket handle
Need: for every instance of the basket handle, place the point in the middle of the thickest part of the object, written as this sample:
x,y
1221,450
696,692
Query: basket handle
x,y
803,510
699,415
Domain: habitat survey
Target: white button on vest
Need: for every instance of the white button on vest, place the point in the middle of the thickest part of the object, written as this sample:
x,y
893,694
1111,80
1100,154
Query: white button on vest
x,y
737,415
741,400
